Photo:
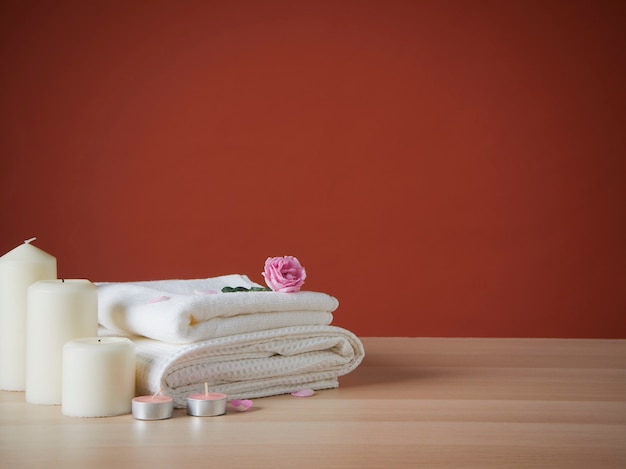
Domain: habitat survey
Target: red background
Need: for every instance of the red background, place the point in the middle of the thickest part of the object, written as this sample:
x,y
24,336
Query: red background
x,y
444,168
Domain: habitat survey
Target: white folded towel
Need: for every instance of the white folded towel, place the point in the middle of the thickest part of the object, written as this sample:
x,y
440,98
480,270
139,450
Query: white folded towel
x,y
187,311
246,366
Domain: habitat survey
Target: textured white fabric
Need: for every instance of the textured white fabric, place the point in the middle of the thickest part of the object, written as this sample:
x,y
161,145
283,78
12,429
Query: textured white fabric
x,y
247,366
187,311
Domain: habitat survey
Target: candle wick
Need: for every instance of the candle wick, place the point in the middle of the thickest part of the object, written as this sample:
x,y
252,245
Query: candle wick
x,y
156,393
99,340
62,280
206,389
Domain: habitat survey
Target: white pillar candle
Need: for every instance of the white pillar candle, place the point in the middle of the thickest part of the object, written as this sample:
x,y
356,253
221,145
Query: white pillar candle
x,y
98,377
19,268
57,311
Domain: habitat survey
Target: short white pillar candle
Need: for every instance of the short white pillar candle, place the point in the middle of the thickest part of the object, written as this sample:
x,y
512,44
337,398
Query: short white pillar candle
x,y
57,311
19,268
98,377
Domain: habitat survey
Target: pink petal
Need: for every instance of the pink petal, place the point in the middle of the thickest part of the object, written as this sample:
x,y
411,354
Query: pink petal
x,y
205,292
159,298
241,404
303,393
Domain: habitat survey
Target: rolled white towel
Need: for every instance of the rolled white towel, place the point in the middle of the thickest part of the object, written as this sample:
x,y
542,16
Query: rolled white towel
x,y
246,366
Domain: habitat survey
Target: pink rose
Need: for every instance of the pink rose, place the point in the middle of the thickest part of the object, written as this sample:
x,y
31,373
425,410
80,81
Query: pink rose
x,y
284,274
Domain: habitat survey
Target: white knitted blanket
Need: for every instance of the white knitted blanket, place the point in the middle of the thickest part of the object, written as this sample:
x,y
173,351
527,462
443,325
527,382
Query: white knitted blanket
x,y
187,311
246,366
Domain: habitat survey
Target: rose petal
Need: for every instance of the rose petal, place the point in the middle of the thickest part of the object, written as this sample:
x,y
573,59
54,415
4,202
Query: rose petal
x,y
158,299
303,393
241,404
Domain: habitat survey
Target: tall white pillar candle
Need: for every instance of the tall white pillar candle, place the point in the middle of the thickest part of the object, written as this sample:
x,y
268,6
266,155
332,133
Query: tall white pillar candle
x,y
19,268
57,311
98,377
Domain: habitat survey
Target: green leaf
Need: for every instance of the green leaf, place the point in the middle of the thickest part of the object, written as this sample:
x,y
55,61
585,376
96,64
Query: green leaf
x,y
237,289
233,289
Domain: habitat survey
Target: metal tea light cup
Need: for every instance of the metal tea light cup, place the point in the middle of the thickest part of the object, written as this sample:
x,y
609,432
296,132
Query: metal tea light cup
x,y
206,405
152,407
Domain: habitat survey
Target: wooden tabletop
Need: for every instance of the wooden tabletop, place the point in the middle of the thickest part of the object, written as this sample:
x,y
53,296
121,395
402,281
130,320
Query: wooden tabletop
x,y
414,402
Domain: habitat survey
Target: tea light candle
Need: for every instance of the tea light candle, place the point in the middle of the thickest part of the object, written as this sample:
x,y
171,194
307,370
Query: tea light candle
x,y
57,311
209,404
19,268
154,407
98,377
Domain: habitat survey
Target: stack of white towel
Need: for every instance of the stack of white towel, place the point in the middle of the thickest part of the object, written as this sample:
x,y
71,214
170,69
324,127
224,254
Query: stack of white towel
x,y
244,344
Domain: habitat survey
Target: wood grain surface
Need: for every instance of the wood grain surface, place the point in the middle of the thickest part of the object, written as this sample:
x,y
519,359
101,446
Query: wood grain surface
x,y
437,403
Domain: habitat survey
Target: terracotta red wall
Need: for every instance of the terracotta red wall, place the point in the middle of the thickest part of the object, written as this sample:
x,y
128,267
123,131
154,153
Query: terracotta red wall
x,y
445,168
